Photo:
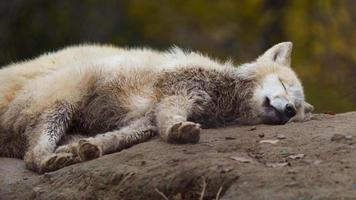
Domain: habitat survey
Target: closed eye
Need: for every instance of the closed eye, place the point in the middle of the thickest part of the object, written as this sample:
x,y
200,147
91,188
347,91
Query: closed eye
x,y
285,89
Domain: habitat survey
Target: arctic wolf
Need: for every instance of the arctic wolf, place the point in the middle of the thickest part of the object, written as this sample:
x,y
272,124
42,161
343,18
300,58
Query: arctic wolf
x,y
85,101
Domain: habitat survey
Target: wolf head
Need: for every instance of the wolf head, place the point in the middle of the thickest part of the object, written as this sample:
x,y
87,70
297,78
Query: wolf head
x,y
278,97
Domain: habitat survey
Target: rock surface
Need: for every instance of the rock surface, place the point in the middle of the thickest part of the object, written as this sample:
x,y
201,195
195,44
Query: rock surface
x,y
216,166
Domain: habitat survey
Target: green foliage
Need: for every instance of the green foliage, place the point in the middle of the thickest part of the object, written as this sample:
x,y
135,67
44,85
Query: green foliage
x,y
323,32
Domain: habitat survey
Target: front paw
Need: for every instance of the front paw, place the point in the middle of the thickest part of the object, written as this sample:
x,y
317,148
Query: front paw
x,y
88,150
184,132
57,161
48,162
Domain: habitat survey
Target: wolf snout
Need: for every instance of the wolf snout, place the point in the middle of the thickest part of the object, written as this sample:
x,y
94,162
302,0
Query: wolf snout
x,y
290,110
287,113
278,111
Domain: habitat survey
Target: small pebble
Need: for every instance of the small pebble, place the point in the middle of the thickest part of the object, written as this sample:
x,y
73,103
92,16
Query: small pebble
x,y
275,165
292,184
296,156
343,161
261,135
241,159
281,136
317,162
253,128
285,152
292,171
37,190
348,137
337,138
227,169
340,138
354,186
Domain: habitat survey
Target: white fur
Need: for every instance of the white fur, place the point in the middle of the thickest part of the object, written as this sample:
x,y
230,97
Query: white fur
x,y
272,68
56,83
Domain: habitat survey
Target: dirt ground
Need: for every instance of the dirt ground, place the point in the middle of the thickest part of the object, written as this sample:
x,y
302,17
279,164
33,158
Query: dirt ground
x,y
297,161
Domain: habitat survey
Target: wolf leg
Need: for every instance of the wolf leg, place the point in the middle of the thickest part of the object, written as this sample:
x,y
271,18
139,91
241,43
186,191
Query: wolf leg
x,y
44,137
172,114
136,132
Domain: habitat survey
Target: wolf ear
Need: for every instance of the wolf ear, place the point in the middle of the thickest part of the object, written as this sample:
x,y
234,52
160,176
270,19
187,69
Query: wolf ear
x,y
279,53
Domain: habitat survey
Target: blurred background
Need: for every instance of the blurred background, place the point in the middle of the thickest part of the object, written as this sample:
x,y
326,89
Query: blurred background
x,y
323,33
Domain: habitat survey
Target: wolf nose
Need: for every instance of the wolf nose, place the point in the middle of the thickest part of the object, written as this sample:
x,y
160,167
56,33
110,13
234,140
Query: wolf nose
x,y
290,111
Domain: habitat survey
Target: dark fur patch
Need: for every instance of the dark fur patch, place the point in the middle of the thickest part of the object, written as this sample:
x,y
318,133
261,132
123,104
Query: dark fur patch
x,y
100,112
229,95
57,120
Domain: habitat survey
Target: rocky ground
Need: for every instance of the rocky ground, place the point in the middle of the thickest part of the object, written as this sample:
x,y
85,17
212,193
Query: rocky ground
x,y
297,161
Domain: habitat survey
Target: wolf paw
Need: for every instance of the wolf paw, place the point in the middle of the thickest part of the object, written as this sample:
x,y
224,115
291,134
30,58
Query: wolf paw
x,y
184,132
88,151
57,161
69,148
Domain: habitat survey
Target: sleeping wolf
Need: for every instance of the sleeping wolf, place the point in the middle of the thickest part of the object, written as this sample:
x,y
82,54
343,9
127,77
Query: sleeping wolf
x,y
86,101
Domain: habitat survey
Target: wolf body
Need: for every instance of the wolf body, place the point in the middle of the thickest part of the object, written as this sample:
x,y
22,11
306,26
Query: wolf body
x,y
86,101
